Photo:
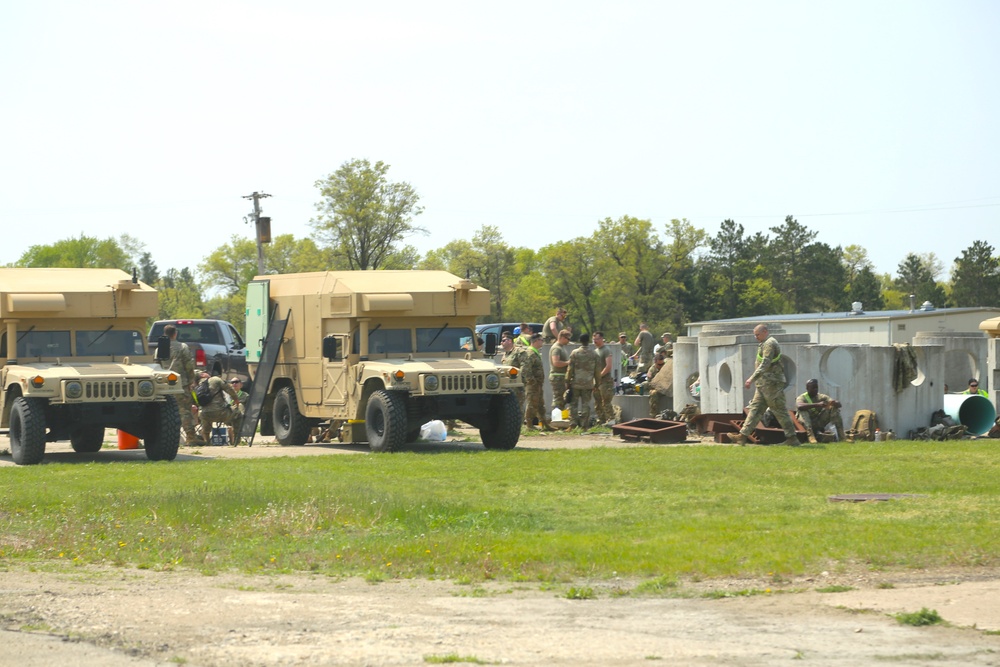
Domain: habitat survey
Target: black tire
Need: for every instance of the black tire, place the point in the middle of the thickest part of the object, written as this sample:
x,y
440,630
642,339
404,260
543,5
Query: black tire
x,y
385,421
87,439
290,427
505,413
27,431
164,435
413,434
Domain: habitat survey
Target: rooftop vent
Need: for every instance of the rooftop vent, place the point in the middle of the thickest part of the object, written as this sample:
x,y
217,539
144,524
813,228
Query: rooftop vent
x,y
927,305
856,308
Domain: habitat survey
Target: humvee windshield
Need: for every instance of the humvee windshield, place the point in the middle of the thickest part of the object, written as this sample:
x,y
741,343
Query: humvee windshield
x,y
430,339
88,343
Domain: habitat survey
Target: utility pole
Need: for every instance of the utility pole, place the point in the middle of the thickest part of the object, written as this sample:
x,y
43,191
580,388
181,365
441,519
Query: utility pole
x,y
263,227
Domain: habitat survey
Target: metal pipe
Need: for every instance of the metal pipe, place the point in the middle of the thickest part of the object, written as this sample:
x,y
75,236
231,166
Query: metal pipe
x,y
973,411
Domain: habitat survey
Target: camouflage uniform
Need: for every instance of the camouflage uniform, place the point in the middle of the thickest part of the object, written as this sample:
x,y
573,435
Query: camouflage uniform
x,y
516,358
534,388
769,376
182,363
817,420
218,410
645,350
605,389
557,376
240,411
580,376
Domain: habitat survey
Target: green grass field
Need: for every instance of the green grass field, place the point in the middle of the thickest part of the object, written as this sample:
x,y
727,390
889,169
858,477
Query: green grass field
x,y
654,513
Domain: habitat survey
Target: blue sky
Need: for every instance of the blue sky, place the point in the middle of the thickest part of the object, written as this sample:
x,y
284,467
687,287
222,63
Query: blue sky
x,y
872,122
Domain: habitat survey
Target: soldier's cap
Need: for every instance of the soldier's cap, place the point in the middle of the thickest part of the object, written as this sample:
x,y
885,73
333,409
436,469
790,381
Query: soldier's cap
x,y
623,335
664,335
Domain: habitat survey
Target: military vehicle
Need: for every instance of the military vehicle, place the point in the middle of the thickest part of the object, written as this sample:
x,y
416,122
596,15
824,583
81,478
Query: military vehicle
x,y
376,354
73,362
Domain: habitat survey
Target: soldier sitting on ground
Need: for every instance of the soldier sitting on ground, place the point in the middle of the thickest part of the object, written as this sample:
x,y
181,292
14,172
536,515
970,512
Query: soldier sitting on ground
x,y
816,411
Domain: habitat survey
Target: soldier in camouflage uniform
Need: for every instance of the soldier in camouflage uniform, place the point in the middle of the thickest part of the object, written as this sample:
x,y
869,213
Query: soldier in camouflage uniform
x,y
182,363
533,374
605,389
769,375
558,363
524,339
644,348
513,355
654,394
580,376
626,353
218,410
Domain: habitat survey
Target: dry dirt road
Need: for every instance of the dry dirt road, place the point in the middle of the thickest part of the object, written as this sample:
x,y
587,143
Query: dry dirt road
x,y
94,617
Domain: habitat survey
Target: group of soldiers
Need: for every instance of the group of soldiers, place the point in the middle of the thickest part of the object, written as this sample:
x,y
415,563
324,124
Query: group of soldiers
x,y
575,376
219,410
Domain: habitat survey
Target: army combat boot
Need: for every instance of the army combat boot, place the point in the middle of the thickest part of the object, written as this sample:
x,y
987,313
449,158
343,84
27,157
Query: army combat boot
x,y
738,438
793,441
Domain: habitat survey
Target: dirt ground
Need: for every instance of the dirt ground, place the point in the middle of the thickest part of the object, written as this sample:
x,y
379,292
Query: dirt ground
x,y
122,617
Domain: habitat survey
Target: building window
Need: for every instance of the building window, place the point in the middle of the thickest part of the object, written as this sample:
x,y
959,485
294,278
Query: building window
x,y
871,329
900,327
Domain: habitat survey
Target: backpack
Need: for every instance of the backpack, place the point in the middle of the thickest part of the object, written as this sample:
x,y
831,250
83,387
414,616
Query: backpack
x,y
864,425
204,394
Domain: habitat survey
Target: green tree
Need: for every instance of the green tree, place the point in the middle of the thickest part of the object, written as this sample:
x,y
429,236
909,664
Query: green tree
x,y
363,216
866,289
179,296
636,266
571,270
148,273
915,276
976,277
81,252
785,262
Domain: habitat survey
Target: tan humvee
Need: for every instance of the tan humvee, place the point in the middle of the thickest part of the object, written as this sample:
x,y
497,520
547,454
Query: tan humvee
x,y
377,354
73,361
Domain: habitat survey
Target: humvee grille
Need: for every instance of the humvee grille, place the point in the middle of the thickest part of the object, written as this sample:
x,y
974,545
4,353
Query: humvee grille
x,y
109,389
463,382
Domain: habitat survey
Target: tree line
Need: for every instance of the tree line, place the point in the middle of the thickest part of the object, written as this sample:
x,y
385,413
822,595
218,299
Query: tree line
x,y
625,272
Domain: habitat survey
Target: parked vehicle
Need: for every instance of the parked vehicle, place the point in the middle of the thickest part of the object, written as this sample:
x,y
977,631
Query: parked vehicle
x,y
376,354
216,346
499,327
73,362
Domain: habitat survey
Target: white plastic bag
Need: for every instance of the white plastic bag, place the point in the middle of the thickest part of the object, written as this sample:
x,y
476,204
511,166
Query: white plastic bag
x,y
434,431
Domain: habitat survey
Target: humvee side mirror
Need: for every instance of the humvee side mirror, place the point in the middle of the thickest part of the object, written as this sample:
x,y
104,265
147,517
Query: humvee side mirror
x,y
162,348
330,348
491,345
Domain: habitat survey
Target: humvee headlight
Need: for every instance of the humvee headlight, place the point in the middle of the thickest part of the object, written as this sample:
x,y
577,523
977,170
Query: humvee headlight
x,y
431,382
492,381
37,381
513,372
399,375
146,388
172,378
74,389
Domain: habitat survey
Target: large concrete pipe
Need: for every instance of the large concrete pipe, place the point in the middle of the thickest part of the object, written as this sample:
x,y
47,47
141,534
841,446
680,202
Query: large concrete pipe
x,y
974,412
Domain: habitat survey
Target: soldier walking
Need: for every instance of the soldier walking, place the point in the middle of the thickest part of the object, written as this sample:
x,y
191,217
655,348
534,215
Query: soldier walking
x,y
769,376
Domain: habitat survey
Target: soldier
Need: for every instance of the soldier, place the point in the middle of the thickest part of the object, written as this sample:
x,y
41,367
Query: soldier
x,y
644,348
558,361
240,409
626,352
769,377
554,325
513,355
218,410
181,362
666,347
524,340
581,374
654,394
605,389
816,411
533,374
